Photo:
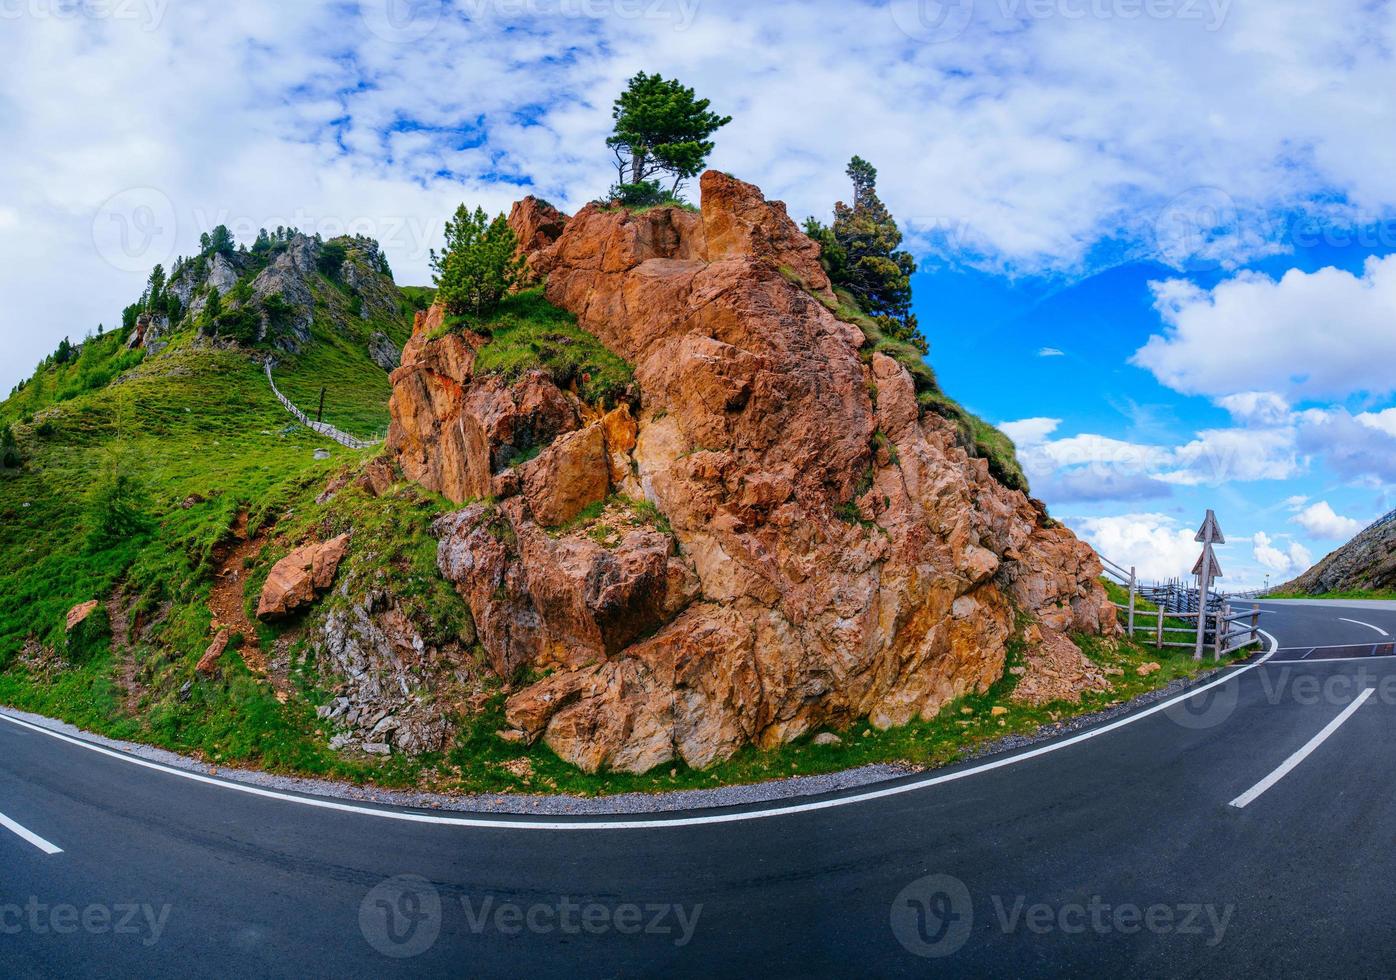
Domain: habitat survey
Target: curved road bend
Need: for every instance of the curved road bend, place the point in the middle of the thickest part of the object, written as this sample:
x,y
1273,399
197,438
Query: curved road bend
x,y
1123,851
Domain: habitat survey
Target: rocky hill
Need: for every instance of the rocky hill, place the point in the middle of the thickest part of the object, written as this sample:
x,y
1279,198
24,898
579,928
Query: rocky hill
x,y
763,534
675,499
1366,563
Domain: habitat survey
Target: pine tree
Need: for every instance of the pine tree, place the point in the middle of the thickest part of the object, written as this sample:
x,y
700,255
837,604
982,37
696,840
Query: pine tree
x,y
865,257
661,129
478,266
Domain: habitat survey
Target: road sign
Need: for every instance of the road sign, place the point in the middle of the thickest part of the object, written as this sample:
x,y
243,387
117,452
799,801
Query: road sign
x,y
1210,532
1206,569
1210,560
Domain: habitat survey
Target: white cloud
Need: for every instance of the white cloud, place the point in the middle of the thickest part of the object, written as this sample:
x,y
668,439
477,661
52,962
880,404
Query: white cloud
x,y
1051,352
1323,334
1219,456
1300,557
1321,521
1155,544
1256,407
1295,502
1268,555
1029,432
1021,145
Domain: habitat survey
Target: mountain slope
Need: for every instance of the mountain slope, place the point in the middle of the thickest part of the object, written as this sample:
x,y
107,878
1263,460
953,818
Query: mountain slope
x,y
1367,563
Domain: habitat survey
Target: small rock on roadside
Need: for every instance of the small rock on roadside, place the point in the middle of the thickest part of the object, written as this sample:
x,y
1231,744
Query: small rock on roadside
x,y
826,738
1144,670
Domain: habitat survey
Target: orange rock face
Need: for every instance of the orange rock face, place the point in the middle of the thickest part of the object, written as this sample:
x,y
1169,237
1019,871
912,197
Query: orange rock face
x,y
536,224
298,578
831,554
79,613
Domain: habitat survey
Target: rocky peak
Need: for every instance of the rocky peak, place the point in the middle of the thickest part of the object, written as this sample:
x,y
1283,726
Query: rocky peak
x,y
791,542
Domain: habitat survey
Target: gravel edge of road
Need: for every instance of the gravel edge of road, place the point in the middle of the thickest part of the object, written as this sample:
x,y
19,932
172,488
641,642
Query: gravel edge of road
x,y
785,789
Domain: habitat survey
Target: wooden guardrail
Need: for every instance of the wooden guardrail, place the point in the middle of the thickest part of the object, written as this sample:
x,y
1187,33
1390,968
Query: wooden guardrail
x,y
1174,620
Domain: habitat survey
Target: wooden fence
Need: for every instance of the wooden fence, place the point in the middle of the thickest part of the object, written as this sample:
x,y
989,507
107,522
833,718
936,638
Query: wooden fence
x,y
324,428
1174,619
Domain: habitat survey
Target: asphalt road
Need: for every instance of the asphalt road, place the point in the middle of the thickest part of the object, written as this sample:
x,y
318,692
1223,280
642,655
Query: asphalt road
x,y
1120,850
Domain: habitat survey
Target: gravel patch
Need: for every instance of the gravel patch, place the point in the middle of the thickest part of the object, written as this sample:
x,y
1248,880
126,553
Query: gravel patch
x,y
788,788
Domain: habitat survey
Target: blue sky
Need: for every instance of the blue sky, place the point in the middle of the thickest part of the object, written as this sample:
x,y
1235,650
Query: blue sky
x,y
1154,234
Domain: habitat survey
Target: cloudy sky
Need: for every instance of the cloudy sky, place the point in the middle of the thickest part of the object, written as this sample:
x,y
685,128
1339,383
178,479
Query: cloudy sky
x,y
1158,237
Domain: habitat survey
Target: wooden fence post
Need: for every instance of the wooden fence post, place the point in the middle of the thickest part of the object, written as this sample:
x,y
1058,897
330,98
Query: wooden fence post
x,y
1255,623
1132,588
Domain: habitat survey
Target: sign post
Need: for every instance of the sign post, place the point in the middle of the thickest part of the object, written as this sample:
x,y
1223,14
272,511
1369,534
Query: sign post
x,y
1206,570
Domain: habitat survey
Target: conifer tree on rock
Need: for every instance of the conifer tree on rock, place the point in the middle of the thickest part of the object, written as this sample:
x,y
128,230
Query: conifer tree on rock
x,y
479,265
862,255
662,130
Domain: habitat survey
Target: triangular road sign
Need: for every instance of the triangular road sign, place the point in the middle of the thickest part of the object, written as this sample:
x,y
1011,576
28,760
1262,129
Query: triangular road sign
x,y
1214,567
1210,532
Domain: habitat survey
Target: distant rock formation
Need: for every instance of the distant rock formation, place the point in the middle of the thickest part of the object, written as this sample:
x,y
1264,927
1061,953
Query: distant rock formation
x,y
775,539
1366,563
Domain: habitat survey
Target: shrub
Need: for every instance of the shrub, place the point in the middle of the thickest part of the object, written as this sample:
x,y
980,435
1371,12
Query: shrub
x,y
647,194
479,266
115,508
9,449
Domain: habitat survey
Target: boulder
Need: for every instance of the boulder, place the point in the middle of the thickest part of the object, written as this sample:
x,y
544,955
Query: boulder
x,y
297,579
79,614
567,477
213,654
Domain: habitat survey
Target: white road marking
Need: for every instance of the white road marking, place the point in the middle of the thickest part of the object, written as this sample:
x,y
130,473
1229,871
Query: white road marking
x,y
1333,646
1368,625
1334,660
659,823
1250,795
29,836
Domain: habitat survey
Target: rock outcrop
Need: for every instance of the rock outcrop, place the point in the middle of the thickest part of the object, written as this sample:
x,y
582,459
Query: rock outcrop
x,y
787,542
297,579
79,614
1366,563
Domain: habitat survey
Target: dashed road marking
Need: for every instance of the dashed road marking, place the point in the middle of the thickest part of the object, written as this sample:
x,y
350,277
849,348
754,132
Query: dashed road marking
x,y
29,835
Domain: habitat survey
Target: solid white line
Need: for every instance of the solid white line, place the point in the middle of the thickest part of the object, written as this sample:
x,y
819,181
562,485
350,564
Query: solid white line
x,y
1368,625
659,823
1249,796
29,836
1333,660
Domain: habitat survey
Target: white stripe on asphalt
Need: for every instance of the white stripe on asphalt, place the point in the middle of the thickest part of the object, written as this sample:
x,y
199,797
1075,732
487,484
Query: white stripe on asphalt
x,y
660,823
1368,625
29,836
1250,795
1333,660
